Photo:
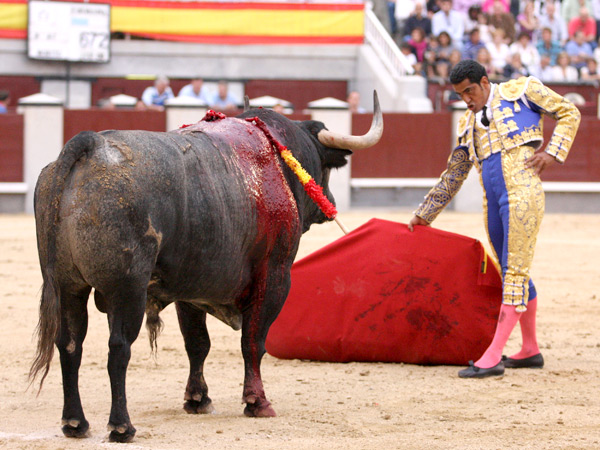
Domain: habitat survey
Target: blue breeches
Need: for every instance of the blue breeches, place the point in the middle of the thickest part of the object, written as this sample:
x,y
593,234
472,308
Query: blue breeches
x,y
513,209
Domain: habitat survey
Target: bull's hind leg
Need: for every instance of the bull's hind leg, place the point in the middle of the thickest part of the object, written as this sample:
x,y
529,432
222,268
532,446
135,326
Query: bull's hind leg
x,y
73,328
192,322
126,308
263,305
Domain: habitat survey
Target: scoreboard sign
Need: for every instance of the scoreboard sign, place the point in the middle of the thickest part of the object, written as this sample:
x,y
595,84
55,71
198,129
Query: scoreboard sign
x,y
63,31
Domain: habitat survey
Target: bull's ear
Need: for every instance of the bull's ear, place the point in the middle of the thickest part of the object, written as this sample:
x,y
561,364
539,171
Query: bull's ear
x,y
335,157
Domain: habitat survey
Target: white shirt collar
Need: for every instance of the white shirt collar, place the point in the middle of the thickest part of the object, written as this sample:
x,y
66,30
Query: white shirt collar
x,y
489,106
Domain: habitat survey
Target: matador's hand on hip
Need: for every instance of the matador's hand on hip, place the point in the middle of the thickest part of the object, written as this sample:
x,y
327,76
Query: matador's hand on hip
x,y
539,161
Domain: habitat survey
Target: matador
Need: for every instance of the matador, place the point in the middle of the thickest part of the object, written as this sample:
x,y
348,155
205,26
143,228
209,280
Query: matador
x,y
501,134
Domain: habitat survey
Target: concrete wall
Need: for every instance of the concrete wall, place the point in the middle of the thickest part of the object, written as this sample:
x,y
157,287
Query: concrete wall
x,y
186,60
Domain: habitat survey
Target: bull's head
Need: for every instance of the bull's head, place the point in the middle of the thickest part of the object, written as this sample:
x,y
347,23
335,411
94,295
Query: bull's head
x,y
333,150
318,150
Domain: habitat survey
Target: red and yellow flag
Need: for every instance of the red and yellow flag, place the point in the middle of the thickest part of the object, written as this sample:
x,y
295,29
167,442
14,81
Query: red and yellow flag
x,y
219,22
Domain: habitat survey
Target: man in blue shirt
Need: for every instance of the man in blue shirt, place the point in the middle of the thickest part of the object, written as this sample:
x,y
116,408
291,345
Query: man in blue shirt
x,y
154,97
224,100
446,19
547,46
579,50
196,89
4,101
473,45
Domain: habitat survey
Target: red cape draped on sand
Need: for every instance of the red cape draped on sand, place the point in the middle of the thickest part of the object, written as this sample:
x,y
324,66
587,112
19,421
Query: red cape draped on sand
x,y
381,293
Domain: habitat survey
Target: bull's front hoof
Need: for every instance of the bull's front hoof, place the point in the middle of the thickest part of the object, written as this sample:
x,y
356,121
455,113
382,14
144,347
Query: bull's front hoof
x,y
203,406
121,433
259,408
75,428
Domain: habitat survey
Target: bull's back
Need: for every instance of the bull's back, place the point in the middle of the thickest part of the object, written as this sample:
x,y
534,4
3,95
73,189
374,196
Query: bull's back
x,y
195,207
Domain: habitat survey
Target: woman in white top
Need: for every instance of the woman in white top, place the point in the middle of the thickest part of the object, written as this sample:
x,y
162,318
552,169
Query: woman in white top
x,y
530,57
563,71
499,50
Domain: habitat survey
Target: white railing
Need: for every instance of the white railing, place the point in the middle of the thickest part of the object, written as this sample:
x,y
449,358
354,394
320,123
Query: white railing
x,y
384,46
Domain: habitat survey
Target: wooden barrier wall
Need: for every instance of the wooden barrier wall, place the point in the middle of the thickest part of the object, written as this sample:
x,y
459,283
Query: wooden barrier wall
x,y
100,119
418,146
11,148
583,162
412,146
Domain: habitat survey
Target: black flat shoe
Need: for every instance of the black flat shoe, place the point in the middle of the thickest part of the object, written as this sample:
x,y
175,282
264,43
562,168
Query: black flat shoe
x,y
533,362
477,372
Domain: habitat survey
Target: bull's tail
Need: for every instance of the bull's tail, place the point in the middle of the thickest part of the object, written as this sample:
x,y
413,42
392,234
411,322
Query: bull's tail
x,y
154,324
47,199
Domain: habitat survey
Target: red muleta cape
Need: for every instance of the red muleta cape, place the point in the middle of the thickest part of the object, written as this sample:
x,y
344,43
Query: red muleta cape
x,y
382,293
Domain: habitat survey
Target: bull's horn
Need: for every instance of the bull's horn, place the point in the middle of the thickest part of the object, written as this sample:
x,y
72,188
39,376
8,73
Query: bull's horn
x,y
246,103
349,142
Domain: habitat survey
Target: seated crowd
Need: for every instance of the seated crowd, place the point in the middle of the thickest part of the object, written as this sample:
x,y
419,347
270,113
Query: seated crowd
x,y
154,97
555,42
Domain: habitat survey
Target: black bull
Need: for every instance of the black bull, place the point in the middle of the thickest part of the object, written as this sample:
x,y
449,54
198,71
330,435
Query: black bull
x,y
208,217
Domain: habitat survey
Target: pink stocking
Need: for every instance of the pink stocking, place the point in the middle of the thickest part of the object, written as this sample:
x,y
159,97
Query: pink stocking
x,y
507,319
527,322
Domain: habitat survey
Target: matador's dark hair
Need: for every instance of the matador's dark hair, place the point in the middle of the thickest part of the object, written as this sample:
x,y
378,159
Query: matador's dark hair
x,y
467,68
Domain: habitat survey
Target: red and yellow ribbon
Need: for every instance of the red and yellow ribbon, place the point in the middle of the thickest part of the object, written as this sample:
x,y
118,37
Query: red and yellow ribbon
x,y
314,191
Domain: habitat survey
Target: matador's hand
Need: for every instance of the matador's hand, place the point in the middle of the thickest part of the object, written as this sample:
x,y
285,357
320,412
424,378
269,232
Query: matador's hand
x,y
539,161
416,220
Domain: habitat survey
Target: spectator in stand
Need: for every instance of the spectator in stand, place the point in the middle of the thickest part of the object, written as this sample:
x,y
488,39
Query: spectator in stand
x,y
443,47
407,51
353,101
418,19
564,71
578,50
488,6
196,89
223,100
548,46
597,53
528,20
515,68
4,101
499,19
596,11
455,58
419,44
450,21
529,56
154,97
403,10
433,6
499,52
544,71
589,72
485,31
552,19
472,19
430,68
473,45
571,8
463,6
485,59
584,23
444,68
391,17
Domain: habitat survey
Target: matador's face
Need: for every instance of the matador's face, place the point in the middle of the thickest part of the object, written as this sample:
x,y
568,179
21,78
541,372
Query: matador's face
x,y
475,95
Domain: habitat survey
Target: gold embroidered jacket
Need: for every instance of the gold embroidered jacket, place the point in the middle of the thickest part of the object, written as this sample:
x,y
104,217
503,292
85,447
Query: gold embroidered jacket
x,y
517,109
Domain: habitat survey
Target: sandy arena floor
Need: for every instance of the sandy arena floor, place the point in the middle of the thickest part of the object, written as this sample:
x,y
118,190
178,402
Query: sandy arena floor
x,y
320,405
